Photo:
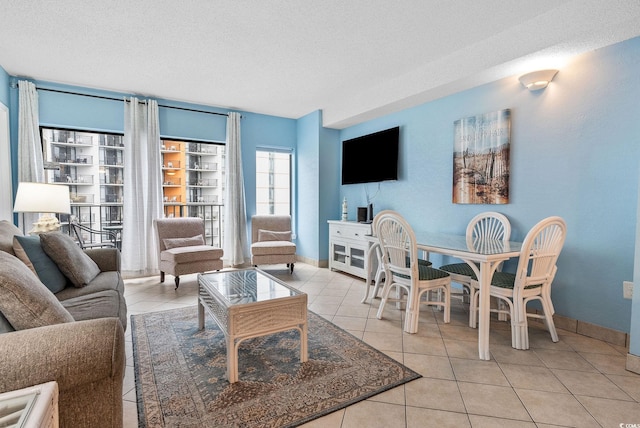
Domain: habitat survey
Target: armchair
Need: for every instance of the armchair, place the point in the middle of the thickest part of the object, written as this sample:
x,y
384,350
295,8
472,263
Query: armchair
x,y
271,240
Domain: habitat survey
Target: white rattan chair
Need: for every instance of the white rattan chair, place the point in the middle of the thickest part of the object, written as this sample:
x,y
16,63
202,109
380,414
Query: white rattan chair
x,y
485,226
532,280
402,269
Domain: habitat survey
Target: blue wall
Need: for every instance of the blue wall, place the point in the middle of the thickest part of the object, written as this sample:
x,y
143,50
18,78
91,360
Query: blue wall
x,y
574,153
4,87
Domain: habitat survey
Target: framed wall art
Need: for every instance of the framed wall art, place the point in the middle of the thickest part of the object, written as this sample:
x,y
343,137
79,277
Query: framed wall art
x,y
481,166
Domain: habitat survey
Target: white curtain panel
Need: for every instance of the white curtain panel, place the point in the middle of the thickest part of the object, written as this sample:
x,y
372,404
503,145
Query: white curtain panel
x,y
235,247
142,188
30,162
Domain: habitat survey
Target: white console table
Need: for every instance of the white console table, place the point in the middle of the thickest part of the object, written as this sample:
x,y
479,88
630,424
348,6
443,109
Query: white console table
x,y
348,247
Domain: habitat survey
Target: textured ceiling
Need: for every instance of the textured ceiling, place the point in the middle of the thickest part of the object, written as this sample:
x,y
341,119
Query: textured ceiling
x,y
354,59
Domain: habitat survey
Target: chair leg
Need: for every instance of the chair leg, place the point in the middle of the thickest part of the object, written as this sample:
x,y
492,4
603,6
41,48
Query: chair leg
x,y
161,276
291,266
177,282
548,319
385,295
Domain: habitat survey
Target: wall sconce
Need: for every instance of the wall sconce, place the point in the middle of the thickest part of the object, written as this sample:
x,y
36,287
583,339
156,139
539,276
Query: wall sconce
x,y
43,198
537,80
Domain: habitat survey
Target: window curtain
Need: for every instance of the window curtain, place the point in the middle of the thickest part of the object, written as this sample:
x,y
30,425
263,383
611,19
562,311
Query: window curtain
x,y
235,214
142,199
30,162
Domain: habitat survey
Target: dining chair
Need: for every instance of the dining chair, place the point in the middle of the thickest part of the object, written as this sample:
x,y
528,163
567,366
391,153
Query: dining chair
x,y
403,271
532,280
92,238
484,227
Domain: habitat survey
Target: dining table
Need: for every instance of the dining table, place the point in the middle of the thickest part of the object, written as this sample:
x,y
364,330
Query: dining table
x,y
482,255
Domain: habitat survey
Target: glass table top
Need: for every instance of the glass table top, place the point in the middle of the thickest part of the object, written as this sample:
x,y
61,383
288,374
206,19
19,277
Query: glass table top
x,y
246,286
461,243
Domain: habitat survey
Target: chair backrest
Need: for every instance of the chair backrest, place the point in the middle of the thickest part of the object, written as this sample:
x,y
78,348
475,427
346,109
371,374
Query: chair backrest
x,y
397,243
271,222
178,227
78,228
539,254
489,230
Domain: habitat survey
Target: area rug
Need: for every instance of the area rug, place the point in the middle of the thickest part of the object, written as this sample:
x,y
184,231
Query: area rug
x,y
181,380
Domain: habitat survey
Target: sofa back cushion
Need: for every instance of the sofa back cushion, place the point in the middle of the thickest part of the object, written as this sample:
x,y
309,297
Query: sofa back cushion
x,y
74,263
7,232
30,252
24,301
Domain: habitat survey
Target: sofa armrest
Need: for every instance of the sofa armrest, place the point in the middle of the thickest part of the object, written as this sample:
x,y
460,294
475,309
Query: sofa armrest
x,y
107,259
86,358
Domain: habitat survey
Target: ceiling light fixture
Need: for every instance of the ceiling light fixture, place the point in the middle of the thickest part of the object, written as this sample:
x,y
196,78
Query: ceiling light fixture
x,y
537,80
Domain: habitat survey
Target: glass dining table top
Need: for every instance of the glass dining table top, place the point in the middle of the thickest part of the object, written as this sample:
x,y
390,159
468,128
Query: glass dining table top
x,y
462,244
246,286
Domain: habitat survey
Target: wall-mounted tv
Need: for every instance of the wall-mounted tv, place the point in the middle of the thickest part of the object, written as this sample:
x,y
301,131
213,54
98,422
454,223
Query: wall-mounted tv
x,y
371,158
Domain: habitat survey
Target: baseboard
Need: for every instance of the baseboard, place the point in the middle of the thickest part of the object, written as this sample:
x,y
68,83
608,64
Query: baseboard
x,y
313,262
633,363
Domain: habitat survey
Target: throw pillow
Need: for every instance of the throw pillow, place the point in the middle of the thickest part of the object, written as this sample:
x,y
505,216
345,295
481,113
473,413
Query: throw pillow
x,y
272,235
170,243
7,232
29,250
72,261
24,301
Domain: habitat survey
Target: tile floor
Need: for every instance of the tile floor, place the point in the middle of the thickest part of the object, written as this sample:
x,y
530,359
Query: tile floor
x,y
577,382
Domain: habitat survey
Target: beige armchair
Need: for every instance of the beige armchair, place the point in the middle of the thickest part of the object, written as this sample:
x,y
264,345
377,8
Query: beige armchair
x,y
271,240
181,244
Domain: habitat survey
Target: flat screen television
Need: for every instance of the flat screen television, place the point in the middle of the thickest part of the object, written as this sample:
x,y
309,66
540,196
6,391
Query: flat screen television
x,y
371,158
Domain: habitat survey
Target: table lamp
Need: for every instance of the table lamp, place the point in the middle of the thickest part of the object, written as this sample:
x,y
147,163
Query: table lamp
x,y
45,199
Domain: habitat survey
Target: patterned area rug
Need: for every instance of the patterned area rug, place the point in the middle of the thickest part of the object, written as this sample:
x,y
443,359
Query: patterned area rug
x,y
181,373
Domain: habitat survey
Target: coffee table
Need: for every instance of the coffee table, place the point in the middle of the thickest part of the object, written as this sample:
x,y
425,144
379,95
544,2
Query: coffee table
x,y
250,303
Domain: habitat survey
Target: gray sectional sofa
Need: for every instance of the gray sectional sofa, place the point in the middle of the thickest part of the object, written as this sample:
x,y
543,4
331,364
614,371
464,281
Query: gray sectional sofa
x,y
74,335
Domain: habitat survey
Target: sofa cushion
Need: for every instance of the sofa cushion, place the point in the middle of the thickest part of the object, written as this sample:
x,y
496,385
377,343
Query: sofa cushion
x,y
103,304
191,254
5,325
30,251
269,248
273,235
104,281
72,261
7,232
193,241
24,300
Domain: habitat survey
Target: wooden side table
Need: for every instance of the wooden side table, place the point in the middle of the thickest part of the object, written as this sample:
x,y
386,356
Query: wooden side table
x,y
35,406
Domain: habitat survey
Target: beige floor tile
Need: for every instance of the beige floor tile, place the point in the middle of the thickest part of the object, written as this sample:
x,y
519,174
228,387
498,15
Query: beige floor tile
x,y
374,414
324,308
507,354
383,341
455,332
478,371
590,384
350,323
461,348
629,383
568,360
491,400
332,420
436,394
347,310
556,409
384,326
130,414
431,366
423,345
395,395
587,344
532,377
607,363
612,413
478,421
428,418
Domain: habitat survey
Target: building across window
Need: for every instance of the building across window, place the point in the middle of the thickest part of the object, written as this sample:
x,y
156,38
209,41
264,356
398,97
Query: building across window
x,y
273,182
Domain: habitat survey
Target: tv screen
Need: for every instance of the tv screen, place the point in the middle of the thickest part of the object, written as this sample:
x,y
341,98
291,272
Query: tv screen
x,y
371,158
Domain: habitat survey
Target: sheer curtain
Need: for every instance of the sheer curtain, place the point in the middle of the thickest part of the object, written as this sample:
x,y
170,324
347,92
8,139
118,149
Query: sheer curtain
x,y
235,214
30,162
142,187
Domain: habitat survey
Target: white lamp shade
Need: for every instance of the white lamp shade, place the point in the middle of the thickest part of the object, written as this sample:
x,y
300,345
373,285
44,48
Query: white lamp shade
x,y
537,79
42,198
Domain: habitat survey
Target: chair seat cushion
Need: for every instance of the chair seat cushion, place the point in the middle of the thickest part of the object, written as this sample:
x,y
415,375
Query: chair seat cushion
x,y
460,269
269,248
507,280
191,254
427,273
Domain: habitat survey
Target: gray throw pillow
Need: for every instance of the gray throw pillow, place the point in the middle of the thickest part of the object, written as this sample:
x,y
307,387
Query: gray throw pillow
x,y
74,263
24,301
272,235
29,250
170,243
7,232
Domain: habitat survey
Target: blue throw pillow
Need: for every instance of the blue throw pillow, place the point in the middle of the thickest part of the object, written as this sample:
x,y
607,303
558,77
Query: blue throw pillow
x,y
29,250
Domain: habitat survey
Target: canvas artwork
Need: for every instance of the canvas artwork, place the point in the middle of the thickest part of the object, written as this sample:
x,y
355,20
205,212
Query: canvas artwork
x,y
481,158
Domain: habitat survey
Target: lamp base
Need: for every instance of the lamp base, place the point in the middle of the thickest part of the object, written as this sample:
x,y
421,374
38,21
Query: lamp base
x,y
46,223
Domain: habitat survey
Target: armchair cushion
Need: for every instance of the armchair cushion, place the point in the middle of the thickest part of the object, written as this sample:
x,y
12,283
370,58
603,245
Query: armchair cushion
x,y
269,248
170,243
273,235
24,300
29,250
7,231
72,261
191,254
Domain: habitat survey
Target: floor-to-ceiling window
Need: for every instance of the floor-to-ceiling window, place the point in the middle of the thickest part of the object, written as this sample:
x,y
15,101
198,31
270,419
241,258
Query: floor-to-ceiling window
x,y
273,182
